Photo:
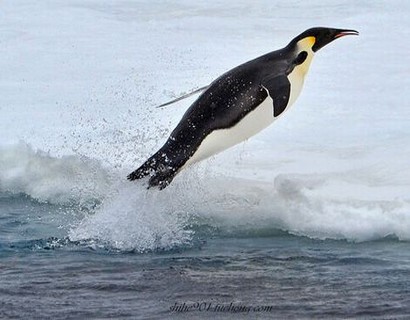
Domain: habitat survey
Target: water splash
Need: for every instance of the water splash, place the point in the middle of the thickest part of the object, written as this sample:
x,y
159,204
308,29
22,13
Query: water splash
x,y
357,205
135,218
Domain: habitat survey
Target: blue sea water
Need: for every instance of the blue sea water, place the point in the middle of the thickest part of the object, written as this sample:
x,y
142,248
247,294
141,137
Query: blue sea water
x,y
268,273
308,219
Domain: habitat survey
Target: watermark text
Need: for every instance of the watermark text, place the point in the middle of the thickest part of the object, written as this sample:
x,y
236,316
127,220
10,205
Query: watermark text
x,y
219,307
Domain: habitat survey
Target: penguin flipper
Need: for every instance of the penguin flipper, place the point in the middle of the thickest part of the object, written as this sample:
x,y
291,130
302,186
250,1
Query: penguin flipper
x,y
184,96
278,88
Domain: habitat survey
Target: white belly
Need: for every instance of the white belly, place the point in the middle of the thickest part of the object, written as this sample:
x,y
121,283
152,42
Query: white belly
x,y
222,139
251,124
296,79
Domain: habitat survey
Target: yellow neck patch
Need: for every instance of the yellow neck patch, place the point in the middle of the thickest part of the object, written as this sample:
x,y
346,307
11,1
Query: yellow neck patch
x,y
306,43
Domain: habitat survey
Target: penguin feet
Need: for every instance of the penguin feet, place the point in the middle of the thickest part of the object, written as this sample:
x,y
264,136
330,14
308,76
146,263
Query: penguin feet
x,y
160,180
160,175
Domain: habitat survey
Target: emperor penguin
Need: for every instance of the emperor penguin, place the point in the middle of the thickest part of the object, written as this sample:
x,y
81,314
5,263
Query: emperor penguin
x,y
237,105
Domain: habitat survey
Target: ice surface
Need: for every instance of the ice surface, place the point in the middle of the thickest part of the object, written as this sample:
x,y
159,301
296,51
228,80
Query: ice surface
x,y
81,79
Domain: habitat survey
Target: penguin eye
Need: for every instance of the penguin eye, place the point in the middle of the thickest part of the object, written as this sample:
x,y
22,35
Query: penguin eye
x,y
301,58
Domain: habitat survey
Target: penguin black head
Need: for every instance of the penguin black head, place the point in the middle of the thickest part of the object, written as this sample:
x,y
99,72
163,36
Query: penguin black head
x,y
317,38
305,45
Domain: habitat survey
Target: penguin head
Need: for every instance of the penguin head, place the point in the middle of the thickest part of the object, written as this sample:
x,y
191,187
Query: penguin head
x,y
305,45
316,38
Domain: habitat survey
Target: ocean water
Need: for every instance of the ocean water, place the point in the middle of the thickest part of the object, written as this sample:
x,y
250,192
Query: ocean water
x,y
308,219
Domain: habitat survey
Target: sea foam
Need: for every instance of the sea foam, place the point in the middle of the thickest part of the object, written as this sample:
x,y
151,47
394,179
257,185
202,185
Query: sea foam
x,y
353,205
58,180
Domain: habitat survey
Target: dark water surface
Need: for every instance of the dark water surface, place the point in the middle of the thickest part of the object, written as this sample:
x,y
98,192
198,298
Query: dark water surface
x,y
268,275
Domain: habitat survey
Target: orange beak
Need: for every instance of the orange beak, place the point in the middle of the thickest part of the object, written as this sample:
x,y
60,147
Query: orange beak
x,y
346,33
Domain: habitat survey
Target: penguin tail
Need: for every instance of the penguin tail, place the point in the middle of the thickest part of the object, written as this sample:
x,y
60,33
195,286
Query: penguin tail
x,y
158,168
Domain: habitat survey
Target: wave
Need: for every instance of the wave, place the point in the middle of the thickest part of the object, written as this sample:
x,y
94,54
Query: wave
x,y
202,203
140,219
64,180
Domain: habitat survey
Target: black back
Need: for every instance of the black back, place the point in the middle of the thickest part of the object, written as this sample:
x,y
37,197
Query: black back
x,y
228,99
